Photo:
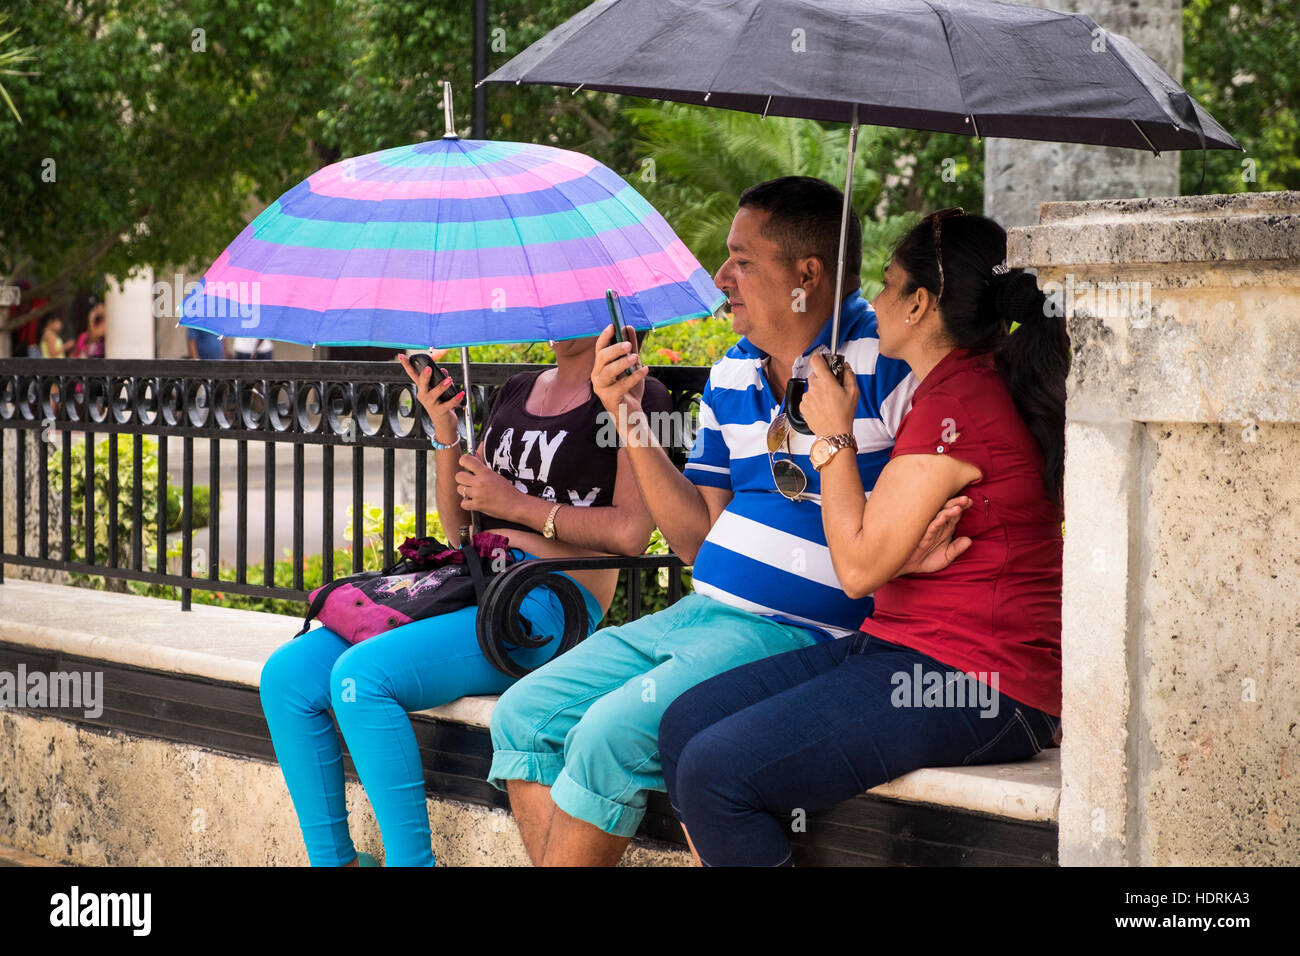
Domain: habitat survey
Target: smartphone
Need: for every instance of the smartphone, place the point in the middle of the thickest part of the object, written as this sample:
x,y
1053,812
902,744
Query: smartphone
x,y
616,320
422,359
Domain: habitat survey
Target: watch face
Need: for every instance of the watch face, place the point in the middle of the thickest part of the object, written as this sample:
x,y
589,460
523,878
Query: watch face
x,y
820,453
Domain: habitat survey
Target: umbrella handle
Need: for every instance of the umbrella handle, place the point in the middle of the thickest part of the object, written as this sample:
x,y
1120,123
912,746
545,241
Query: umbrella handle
x,y
470,442
844,230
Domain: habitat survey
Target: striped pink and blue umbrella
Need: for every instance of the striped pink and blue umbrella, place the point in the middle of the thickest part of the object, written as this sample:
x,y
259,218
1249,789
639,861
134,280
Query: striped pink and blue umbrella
x,y
452,242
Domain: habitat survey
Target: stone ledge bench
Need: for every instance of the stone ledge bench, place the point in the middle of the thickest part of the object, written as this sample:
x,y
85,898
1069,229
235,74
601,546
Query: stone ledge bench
x,y
179,770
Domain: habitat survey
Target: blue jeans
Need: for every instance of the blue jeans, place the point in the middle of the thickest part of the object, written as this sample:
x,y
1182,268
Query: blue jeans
x,y
370,687
747,754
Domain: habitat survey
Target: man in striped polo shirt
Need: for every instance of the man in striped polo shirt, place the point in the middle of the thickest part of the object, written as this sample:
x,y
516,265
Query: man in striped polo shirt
x,y
576,742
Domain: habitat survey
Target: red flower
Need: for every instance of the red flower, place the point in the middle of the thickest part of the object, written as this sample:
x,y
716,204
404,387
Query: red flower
x,y
671,355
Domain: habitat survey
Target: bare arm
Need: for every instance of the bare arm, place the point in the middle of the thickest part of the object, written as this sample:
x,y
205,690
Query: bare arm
x,y
901,527
621,528
442,413
871,543
683,511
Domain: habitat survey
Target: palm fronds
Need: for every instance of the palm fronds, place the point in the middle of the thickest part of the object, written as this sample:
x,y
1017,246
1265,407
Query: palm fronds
x,y
704,159
11,58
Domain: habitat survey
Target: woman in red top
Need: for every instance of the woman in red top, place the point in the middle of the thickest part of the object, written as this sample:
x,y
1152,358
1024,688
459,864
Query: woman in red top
x,y
957,666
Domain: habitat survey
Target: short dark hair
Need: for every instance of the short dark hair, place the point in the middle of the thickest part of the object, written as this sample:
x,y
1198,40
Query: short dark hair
x,y
805,221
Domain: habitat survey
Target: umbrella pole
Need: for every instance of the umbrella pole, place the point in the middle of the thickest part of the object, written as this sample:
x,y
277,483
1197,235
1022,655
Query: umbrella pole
x,y
469,422
844,232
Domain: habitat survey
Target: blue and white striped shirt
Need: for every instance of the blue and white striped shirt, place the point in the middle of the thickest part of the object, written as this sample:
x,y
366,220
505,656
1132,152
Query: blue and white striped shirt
x,y
766,553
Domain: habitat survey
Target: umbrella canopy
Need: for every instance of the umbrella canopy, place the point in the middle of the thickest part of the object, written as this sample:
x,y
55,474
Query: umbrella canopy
x,y
447,243
955,66
952,66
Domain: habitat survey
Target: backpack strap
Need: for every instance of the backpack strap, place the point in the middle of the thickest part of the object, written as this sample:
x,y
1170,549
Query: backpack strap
x,y
475,566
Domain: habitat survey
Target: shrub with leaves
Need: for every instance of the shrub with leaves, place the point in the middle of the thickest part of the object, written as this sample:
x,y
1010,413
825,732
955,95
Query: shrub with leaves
x,y
125,491
372,530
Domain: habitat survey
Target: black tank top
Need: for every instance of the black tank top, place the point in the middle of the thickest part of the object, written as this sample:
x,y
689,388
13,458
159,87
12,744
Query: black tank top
x,y
570,459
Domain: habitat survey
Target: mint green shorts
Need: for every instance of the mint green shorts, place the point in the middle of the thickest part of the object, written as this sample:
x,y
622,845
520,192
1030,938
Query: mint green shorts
x,y
586,724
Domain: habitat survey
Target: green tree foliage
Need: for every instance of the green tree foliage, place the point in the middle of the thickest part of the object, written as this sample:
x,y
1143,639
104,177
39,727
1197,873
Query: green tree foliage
x,y
925,171
151,125
696,163
1239,61
12,55
404,49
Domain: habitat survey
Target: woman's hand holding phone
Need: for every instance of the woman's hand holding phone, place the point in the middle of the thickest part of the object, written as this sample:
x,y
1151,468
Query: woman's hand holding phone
x,y
616,378
435,398
830,404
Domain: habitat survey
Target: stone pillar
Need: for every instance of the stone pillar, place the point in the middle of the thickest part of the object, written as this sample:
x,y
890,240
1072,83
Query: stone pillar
x,y
1020,174
128,317
1181,634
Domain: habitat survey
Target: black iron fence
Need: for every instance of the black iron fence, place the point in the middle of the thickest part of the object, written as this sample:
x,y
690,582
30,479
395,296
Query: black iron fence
x,y
348,405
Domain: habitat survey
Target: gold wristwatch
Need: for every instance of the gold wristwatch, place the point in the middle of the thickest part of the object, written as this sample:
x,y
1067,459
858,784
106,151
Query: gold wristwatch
x,y
548,529
824,449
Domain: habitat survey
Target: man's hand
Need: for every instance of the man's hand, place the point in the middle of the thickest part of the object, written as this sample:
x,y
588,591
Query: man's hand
x,y
484,490
937,549
611,360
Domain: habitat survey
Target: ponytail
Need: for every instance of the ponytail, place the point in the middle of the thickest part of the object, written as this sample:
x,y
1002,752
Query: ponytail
x,y
1033,359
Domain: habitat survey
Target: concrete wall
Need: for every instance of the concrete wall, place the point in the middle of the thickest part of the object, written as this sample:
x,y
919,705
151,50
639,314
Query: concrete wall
x,y
1019,175
109,799
1181,634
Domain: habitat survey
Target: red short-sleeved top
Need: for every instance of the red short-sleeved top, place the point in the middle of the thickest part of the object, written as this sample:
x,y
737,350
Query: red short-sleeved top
x,y
997,608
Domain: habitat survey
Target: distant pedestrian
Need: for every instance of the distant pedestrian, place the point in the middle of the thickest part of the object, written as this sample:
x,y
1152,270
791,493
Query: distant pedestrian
x,y
27,339
253,348
90,343
203,344
52,344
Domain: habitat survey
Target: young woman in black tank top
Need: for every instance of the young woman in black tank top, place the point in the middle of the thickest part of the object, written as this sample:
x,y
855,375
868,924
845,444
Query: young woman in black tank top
x,y
545,481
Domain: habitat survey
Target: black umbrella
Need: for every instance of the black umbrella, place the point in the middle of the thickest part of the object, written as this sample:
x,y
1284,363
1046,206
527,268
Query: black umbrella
x,y
955,66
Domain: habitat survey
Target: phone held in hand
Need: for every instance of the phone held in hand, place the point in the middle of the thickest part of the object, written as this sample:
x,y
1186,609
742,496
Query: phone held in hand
x,y
420,360
616,320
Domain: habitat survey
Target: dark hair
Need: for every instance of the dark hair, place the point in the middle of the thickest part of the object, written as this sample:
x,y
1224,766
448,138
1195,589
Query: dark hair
x,y
978,308
805,221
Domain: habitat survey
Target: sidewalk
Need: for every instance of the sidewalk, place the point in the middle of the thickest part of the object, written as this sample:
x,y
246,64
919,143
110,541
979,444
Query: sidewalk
x,y
310,506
